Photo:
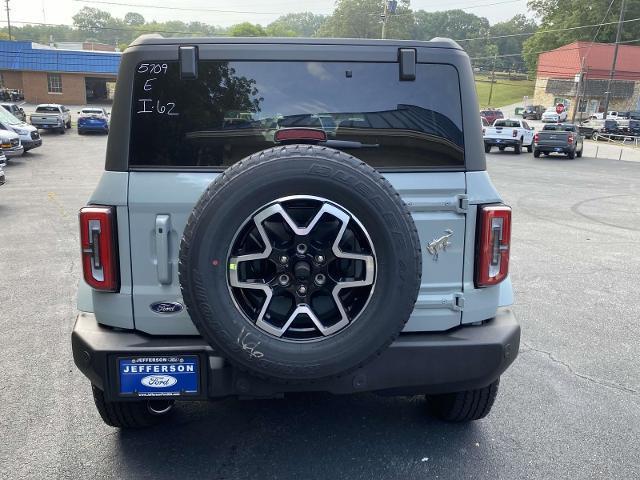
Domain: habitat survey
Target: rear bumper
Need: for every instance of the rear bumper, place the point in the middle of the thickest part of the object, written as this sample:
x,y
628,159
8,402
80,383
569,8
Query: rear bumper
x,y
502,142
93,128
461,359
554,148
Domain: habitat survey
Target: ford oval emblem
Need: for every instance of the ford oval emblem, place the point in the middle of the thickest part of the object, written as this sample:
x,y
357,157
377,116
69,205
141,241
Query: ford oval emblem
x,y
166,307
159,381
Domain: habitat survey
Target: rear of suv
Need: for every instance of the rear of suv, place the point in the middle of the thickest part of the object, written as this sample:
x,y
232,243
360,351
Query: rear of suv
x,y
294,215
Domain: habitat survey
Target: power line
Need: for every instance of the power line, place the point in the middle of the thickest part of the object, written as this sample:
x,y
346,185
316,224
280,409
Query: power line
x,y
490,57
162,7
545,31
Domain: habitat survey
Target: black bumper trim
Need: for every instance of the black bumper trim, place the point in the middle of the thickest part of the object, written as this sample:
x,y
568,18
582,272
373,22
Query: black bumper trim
x,y
502,143
550,149
464,358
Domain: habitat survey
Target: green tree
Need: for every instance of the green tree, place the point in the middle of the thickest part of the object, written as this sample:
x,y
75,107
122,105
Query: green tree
x,y
133,19
92,21
361,19
511,43
246,29
565,14
303,24
455,24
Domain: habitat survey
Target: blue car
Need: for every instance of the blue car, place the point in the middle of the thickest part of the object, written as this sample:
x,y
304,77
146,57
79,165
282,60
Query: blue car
x,y
93,119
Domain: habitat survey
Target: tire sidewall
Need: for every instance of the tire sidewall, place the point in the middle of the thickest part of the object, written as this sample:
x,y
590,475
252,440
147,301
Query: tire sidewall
x,y
233,201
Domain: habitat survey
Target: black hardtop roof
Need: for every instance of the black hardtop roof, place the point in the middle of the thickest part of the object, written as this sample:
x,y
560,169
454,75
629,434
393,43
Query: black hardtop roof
x,y
156,39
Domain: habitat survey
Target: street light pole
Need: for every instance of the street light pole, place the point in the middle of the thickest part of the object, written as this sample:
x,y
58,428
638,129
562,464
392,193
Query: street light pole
x,y
615,59
578,92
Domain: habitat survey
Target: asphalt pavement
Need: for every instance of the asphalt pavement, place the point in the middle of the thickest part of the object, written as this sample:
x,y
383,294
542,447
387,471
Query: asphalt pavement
x,y
568,408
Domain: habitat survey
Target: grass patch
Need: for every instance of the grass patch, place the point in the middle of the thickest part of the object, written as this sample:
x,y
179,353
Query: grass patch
x,y
505,92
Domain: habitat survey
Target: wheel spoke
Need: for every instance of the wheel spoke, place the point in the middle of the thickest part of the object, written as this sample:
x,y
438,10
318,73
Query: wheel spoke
x,y
302,306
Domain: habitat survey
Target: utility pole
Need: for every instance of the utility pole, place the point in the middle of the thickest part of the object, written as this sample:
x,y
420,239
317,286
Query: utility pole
x,y
578,89
389,9
8,19
493,78
615,59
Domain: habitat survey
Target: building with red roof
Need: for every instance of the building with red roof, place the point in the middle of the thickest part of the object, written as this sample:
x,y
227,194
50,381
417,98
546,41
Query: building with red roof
x,y
558,73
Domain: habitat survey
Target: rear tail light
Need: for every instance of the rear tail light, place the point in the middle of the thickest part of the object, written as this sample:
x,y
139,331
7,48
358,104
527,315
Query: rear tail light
x,y
515,133
536,138
494,241
99,248
570,139
483,130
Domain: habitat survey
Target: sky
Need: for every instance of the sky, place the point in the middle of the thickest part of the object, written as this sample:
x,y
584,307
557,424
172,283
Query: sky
x,y
255,11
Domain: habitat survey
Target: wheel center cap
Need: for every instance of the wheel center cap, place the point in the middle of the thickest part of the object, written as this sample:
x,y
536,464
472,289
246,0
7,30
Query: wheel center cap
x,y
302,270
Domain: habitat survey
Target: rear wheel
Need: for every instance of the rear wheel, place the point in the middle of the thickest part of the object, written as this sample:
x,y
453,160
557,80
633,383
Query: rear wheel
x,y
487,148
517,149
571,155
530,147
536,153
501,149
579,153
463,406
61,129
138,414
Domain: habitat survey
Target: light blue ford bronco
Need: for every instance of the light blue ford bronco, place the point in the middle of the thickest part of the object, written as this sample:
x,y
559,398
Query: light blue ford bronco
x,y
294,215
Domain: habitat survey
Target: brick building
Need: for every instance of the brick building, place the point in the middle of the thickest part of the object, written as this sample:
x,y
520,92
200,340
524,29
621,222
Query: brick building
x,y
51,75
559,70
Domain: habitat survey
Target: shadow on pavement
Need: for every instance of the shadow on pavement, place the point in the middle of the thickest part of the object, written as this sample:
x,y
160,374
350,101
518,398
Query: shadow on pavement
x,y
304,436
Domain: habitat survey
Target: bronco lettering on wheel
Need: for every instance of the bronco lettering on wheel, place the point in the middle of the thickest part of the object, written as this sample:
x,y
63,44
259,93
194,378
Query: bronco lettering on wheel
x,y
302,268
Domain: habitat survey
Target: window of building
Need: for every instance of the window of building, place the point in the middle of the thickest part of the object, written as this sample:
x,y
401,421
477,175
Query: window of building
x,y
54,83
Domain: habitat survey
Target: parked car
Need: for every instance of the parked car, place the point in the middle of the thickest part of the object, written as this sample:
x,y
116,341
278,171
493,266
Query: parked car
x,y
551,115
562,138
3,162
15,110
491,115
510,132
613,115
610,127
298,268
533,112
51,116
633,128
10,144
29,136
590,128
93,119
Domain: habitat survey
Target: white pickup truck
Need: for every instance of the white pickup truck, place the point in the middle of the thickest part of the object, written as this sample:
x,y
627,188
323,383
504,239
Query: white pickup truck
x,y
51,116
509,132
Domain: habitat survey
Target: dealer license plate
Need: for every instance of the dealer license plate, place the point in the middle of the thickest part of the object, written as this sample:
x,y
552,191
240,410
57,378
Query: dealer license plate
x,y
159,376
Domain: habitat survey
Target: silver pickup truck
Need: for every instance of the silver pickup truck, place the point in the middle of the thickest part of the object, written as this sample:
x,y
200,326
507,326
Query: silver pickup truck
x,y
287,215
51,116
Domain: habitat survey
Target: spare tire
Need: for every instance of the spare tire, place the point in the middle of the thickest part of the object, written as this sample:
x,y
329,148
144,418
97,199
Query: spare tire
x,y
300,263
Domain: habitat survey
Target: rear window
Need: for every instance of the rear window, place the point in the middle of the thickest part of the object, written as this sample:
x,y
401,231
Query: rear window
x,y
234,109
48,109
560,128
92,110
507,123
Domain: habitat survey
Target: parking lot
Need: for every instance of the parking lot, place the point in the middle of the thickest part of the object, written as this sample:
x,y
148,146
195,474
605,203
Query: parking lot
x,y
568,408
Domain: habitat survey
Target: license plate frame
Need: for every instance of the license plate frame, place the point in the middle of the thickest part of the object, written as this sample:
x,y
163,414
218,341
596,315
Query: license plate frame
x,y
164,375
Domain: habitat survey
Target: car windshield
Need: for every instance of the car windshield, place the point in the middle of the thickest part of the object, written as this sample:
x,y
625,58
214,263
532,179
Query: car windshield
x,y
48,109
507,123
6,117
234,109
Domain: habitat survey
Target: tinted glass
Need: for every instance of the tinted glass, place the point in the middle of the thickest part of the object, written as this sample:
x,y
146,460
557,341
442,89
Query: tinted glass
x,y
234,109
507,123
48,109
